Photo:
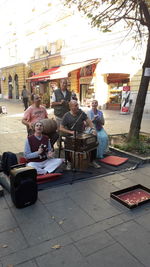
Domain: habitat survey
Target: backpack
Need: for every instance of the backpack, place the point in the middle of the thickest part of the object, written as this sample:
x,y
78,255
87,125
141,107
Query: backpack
x,y
8,159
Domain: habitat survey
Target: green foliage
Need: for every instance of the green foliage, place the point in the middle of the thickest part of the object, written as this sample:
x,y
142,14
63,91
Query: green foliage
x,y
104,14
139,146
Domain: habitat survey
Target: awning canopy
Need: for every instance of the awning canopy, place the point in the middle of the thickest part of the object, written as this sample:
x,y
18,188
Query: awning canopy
x,y
60,72
43,76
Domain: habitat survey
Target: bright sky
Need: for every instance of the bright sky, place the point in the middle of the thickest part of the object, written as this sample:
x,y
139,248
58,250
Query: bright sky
x,y
28,24
20,19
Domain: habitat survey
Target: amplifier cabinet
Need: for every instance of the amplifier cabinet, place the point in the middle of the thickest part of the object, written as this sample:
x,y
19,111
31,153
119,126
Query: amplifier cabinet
x,y
23,186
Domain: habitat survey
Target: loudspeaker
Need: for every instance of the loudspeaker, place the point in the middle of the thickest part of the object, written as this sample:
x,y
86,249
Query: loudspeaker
x,y
23,186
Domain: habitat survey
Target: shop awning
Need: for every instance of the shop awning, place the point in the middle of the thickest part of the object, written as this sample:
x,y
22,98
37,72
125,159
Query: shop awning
x,y
43,76
60,72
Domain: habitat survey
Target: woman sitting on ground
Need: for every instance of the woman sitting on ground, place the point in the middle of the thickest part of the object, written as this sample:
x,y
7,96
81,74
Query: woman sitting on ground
x,y
96,116
38,152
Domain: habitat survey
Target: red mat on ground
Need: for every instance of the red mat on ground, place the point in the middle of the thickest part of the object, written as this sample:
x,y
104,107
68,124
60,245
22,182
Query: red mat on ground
x,y
113,160
48,177
44,177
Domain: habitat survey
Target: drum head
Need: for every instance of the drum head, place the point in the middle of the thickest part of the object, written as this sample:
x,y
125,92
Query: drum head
x,y
50,126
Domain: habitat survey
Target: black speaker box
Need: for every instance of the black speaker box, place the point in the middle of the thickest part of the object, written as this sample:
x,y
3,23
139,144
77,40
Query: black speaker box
x,y
23,186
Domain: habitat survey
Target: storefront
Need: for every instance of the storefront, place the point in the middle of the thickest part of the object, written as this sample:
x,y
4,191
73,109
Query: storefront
x,y
79,75
116,82
87,89
40,84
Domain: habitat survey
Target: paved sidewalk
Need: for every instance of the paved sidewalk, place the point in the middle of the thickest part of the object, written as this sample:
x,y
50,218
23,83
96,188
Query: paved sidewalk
x,y
76,225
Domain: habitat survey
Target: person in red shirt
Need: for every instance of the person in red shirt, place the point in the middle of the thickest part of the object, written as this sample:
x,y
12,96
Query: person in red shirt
x,y
35,113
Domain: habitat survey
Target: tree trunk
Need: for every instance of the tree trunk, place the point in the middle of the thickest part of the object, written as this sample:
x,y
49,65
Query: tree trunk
x,y
135,125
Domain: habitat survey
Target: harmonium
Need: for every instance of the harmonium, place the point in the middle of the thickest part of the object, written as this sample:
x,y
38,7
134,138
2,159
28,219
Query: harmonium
x,y
81,143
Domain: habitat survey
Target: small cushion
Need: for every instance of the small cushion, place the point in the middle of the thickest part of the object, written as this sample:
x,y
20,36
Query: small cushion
x,y
114,160
43,178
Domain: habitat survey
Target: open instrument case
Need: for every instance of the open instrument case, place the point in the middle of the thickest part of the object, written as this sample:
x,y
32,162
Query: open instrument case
x,y
133,196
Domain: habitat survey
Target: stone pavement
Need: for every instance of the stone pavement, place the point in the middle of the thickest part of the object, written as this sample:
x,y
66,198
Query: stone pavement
x,y
76,225
13,132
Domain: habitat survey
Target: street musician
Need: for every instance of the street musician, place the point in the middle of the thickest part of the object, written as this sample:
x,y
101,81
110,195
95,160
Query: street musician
x,y
73,123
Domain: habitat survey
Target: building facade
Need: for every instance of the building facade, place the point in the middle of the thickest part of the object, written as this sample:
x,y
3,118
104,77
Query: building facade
x,y
67,43
87,79
12,80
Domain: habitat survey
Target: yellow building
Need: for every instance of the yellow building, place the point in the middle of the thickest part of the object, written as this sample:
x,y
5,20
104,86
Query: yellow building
x,y
14,77
12,80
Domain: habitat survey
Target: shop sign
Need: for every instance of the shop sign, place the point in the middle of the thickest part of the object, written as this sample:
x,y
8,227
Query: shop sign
x,y
125,103
88,70
147,72
85,80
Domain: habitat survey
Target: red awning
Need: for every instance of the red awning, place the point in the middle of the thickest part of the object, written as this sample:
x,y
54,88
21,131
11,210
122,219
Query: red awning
x,y
60,72
43,76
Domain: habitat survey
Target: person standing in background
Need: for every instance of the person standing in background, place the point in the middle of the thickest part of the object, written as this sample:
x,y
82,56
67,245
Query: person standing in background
x,y
25,97
60,101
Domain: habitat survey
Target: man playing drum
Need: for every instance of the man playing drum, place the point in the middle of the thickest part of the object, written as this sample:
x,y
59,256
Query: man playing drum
x,y
35,113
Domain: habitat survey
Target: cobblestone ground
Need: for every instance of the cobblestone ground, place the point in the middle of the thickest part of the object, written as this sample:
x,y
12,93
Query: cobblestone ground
x,y
13,132
78,224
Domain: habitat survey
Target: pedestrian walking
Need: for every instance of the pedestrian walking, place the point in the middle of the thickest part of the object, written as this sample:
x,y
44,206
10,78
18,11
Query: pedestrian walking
x,y
25,97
